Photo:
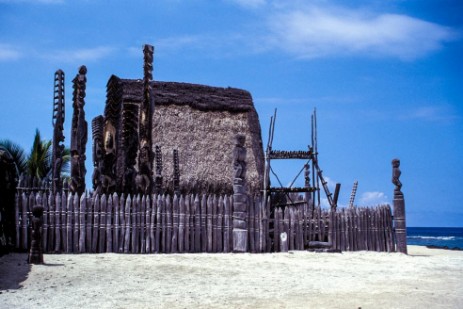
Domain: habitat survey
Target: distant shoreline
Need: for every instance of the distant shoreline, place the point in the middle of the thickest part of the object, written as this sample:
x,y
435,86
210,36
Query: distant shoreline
x,y
444,248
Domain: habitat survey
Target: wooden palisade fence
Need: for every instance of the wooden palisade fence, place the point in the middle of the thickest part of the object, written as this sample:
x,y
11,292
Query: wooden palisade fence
x,y
192,223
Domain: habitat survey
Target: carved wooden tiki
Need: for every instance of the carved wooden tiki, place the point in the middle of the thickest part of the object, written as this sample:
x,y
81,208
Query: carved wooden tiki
x,y
240,198
78,134
58,126
145,156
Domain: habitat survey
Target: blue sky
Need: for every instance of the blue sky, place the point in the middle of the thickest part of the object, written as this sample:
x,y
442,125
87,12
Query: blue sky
x,y
385,77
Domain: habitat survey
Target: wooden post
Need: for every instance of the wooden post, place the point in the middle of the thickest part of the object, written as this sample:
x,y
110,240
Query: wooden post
x,y
276,229
209,223
197,207
153,223
175,220
226,227
128,223
189,230
57,247
123,223
181,225
69,234
116,222
148,224
157,239
17,206
109,216
168,225
102,225
220,230
203,223
82,227
399,209
142,224
251,228
134,223
76,223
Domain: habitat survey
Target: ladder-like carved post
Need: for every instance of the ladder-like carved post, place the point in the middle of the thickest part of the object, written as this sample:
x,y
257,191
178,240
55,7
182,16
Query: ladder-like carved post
x,y
240,198
399,209
352,194
145,153
78,134
158,176
58,127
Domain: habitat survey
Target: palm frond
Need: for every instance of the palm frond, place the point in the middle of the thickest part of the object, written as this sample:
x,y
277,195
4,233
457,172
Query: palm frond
x,y
17,153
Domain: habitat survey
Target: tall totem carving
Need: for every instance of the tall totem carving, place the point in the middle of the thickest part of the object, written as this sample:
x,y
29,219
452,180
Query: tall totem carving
x,y
112,115
97,153
58,127
78,133
240,198
145,156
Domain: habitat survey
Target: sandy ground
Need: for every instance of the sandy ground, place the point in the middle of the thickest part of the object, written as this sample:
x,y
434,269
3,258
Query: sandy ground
x,y
425,278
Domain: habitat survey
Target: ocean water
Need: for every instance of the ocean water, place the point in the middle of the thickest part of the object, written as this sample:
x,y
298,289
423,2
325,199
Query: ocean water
x,y
451,237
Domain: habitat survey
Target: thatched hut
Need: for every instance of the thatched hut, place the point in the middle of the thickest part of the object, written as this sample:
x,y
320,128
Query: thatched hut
x,y
199,121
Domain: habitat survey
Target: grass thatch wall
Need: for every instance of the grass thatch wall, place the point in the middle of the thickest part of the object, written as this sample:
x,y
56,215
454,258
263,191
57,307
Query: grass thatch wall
x,y
201,122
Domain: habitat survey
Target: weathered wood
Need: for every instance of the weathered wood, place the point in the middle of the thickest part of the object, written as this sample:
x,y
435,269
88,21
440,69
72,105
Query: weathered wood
x,y
69,234
204,223
147,229
220,230
64,213
123,226
153,224
209,224
276,229
75,224
96,223
168,224
88,221
102,225
134,224
44,236
158,237
175,222
251,228
142,225
117,223
128,223
138,225
17,207
181,225
226,224
109,216
198,218
189,224
82,226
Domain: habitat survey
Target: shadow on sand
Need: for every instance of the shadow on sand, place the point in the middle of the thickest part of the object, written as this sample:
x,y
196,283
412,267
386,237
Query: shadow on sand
x,y
14,269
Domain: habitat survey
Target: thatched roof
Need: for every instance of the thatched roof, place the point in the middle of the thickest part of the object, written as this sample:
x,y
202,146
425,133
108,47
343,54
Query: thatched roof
x,y
201,122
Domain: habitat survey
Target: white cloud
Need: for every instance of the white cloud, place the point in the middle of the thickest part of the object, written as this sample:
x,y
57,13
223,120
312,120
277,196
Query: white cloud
x,y
373,198
431,113
80,55
319,32
8,52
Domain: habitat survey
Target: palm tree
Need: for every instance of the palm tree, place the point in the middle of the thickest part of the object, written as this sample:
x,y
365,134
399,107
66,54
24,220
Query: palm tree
x,y
39,161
